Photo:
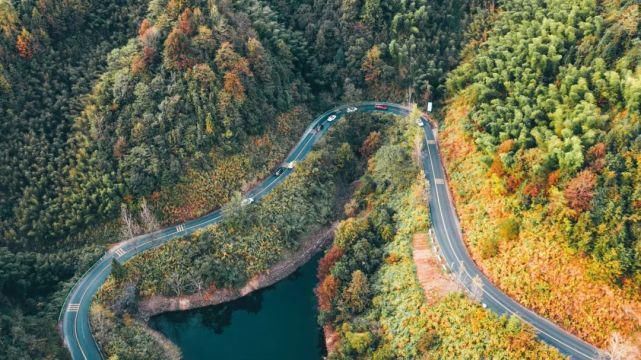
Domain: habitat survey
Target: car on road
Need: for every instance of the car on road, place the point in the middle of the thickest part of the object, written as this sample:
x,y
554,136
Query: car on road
x,y
331,118
78,338
380,107
279,171
419,122
351,109
319,127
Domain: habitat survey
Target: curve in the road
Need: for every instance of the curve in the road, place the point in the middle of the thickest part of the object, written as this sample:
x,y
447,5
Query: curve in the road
x,y
74,315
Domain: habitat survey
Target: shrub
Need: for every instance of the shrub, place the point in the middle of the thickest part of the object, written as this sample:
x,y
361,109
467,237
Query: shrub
x,y
489,247
508,229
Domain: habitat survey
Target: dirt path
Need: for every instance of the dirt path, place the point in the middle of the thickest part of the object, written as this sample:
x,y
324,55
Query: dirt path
x,y
434,282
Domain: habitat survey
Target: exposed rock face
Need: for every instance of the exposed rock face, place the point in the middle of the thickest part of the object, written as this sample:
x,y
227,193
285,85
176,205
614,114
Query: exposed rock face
x,y
212,296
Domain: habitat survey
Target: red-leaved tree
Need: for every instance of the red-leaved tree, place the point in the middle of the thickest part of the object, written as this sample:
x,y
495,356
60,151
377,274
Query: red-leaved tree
x,y
325,292
24,44
580,190
325,264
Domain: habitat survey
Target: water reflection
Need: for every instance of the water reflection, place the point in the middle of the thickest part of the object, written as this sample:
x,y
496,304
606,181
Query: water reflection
x,y
219,317
252,327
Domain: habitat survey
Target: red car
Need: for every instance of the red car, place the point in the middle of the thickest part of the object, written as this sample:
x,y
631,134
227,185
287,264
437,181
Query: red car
x,y
380,107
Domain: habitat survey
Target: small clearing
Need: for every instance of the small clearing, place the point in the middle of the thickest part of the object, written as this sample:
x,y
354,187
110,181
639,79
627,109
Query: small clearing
x,y
429,270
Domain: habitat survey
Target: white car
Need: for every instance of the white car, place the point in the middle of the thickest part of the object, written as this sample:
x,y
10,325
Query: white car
x,y
331,118
484,305
290,165
419,122
247,201
351,109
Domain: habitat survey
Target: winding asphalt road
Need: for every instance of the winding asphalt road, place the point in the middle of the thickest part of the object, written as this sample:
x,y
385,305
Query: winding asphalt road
x,y
74,316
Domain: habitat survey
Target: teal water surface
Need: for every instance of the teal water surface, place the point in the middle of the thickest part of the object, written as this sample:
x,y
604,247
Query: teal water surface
x,y
278,322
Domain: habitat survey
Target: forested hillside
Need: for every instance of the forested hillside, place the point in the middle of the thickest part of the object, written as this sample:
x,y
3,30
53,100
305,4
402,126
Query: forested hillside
x,y
543,142
119,117
246,243
50,54
129,109
370,301
159,111
161,104
381,49
153,112
184,77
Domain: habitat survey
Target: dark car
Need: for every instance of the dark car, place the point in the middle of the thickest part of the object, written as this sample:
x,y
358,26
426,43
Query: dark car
x,y
319,127
279,171
380,107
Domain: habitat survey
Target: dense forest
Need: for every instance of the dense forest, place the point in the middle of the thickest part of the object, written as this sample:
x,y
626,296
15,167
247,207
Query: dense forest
x,y
119,101
556,102
545,113
162,110
159,111
368,292
248,241
50,54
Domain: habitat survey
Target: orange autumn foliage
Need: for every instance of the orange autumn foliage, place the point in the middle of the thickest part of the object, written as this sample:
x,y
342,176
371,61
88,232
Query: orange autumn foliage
x,y
553,177
137,64
513,182
326,263
144,26
532,189
372,64
580,190
596,152
596,157
537,268
185,23
371,144
234,86
119,147
286,123
325,292
154,196
24,44
506,146
177,50
497,166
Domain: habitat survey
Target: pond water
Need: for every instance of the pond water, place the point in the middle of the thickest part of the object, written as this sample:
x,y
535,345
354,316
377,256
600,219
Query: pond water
x,y
278,322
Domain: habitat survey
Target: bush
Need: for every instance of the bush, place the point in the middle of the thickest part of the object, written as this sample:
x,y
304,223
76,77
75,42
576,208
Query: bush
x,y
508,229
489,247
